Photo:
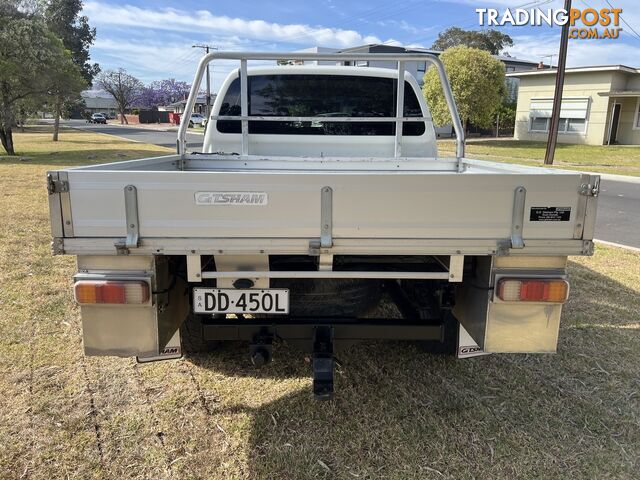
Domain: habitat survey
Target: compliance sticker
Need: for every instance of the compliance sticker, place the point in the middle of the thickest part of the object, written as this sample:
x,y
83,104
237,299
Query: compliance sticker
x,y
550,214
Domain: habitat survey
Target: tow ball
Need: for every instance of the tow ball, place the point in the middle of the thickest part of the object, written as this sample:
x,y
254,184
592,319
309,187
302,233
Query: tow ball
x,y
261,349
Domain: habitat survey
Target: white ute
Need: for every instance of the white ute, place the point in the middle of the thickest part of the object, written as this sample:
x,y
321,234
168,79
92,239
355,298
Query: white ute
x,y
318,190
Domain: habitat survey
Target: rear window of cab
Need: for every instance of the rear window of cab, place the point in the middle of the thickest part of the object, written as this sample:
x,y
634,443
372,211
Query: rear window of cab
x,y
320,95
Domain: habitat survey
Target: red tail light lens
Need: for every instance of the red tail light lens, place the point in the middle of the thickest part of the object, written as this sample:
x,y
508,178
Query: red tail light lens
x,y
125,292
533,290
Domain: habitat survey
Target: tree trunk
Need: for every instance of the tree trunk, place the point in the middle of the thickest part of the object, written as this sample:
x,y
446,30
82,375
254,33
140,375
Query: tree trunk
x,y
56,122
6,132
6,138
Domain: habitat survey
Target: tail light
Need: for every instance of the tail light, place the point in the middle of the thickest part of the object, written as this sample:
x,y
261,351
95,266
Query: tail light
x,y
114,292
533,290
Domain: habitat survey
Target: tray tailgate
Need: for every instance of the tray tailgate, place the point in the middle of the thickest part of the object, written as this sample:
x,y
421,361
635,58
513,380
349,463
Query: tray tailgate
x,y
365,205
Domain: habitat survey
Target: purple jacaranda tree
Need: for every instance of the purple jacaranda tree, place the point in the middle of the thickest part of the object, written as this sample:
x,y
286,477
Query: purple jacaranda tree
x,y
163,92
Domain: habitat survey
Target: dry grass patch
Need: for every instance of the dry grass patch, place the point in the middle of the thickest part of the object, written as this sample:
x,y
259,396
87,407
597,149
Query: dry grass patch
x,y
398,413
615,159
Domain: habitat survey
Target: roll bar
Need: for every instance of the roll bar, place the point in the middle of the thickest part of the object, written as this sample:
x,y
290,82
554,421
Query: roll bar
x,y
400,59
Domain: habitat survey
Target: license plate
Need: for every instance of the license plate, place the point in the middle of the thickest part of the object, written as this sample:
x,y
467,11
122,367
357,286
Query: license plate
x,y
234,300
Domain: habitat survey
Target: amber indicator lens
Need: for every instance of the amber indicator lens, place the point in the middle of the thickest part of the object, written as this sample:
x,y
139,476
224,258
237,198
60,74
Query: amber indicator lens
x,y
88,292
533,290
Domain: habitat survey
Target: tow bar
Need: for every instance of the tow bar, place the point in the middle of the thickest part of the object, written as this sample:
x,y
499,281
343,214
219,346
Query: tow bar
x,y
322,362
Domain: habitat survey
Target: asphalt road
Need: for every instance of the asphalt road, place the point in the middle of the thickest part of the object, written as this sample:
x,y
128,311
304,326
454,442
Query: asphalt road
x,y
618,219
144,135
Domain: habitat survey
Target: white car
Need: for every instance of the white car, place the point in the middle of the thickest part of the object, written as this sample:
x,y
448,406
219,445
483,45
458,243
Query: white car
x,y
197,119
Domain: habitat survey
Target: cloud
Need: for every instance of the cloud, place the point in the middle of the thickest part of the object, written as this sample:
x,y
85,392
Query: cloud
x,y
151,60
579,53
402,25
204,21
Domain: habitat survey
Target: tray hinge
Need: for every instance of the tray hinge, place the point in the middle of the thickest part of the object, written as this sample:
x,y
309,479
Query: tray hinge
x,y
517,220
321,247
131,214
326,217
56,185
57,246
590,189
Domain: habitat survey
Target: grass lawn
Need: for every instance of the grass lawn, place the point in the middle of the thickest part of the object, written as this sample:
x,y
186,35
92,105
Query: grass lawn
x,y
398,413
602,159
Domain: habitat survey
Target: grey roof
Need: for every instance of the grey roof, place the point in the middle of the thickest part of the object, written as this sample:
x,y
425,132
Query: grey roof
x,y
587,69
202,99
381,48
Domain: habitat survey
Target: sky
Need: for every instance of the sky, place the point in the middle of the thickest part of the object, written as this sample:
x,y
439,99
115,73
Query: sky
x,y
152,39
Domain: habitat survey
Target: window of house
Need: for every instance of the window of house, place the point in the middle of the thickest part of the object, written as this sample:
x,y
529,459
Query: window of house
x,y
573,115
540,124
321,95
636,121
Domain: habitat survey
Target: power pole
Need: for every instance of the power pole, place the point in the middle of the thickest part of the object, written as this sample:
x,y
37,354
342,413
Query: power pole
x,y
208,97
557,96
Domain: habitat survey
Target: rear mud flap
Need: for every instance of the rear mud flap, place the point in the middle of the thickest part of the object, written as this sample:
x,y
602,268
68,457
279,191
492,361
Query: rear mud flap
x,y
172,351
467,346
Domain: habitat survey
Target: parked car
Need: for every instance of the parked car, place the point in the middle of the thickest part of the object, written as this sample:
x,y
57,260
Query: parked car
x,y
98,118
315,193
197,119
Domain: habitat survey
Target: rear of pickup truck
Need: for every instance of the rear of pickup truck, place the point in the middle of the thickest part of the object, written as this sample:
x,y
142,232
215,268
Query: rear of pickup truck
x,y
318,195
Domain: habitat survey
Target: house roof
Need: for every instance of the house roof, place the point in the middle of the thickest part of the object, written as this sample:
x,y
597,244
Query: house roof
x,y
379,47
621,93
201,100
596,68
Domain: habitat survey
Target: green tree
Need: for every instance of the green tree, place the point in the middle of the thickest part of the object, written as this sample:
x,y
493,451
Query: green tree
x,y
492,41
66,82
30,56
64,20
505,117
478,84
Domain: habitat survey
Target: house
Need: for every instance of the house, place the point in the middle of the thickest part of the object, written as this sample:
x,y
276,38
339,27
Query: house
x,y
600,105
295,61
99,101
418,69
199,107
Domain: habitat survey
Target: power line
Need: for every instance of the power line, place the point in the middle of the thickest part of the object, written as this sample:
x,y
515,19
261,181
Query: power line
x,y
534,3
625,22
208,97
620,16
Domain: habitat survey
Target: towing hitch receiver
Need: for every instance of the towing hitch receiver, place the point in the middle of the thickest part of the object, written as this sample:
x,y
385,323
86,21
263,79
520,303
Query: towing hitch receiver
x,y
323,362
